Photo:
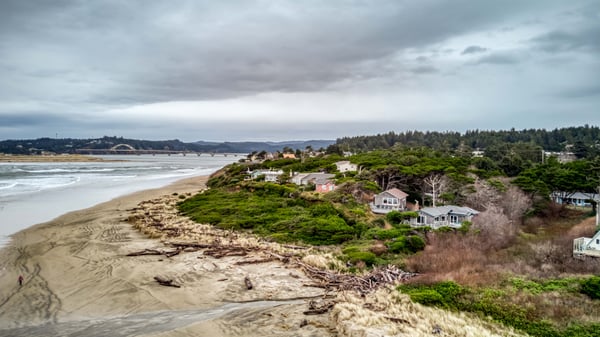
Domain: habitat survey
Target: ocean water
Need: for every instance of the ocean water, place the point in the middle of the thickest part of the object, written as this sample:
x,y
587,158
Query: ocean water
x,y
32,193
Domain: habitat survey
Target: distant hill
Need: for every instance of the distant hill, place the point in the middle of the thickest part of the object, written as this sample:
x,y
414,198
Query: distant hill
x,y
71,145
249,147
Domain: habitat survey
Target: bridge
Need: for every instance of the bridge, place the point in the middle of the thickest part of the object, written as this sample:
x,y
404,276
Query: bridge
x,y
130,150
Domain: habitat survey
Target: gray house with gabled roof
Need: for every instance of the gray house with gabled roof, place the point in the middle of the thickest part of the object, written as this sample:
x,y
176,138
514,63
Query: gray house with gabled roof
x,y
444,216
390,200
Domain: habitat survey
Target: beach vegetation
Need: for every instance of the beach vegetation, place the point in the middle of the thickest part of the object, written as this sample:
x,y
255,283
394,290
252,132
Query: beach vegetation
x,y
512,264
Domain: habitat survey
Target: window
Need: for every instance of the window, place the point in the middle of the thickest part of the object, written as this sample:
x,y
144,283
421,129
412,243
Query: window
x,y
390,201
453,219
420,219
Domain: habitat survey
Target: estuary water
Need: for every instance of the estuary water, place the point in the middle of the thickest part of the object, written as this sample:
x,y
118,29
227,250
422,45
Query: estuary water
x,y
32,193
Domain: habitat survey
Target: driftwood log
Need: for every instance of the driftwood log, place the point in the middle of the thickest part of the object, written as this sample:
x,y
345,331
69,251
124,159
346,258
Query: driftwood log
x,y
316,308
166,282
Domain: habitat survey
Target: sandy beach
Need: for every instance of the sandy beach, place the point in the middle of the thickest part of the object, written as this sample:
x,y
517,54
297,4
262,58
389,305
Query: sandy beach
x,y
78,281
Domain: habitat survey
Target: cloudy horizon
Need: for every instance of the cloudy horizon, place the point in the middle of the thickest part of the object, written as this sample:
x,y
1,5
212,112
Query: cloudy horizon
x,y
282,70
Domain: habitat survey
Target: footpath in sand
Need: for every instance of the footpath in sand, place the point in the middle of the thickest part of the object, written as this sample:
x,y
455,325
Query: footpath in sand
x,y
78,281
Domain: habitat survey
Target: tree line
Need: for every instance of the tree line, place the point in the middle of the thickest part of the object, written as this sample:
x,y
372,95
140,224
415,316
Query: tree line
x,y
583,141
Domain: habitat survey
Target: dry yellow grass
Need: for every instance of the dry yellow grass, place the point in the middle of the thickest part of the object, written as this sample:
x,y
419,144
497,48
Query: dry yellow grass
x,y
390,313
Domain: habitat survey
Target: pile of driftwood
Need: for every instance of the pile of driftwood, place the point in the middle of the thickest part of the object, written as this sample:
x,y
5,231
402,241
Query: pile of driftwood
x,y
322,278
216,250
361,283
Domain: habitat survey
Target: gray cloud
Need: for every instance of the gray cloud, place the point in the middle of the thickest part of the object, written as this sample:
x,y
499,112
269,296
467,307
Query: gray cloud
x,y
499,59
473,50
564,41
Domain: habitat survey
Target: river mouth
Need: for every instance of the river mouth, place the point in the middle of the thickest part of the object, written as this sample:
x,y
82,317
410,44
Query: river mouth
x,y
139,324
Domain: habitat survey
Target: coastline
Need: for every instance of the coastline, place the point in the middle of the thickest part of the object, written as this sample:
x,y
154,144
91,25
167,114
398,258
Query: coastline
x,y
76,272
80,281
6,158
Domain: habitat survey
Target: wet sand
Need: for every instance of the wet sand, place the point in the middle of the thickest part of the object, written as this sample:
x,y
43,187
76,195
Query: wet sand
x,y
78,281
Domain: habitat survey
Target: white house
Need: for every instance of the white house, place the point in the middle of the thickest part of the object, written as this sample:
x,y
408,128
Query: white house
x,y
346,166
444,216
270,175
587,246
310,178
577,198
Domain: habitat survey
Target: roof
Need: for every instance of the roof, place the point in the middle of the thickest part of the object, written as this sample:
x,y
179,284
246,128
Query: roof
x,y
579,195
318,176
585,196
396,193
448,209
324,182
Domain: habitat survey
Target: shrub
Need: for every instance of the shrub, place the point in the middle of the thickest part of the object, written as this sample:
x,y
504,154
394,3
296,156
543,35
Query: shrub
x,y
427,297
367,257
415,243
591,287
398,246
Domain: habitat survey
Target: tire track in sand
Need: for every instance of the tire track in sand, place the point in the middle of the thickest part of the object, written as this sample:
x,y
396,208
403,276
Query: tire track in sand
x,y
34,299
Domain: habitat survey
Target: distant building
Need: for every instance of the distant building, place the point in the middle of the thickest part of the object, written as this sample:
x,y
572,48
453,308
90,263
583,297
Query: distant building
x,y
477,153
310,178
324,186
390,200
346,166
270,175
577,198
444,216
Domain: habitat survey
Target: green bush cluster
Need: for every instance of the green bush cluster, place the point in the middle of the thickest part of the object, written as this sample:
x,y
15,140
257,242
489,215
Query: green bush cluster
x,y
538,287
272,210
444,294
367,257
591,287
407,244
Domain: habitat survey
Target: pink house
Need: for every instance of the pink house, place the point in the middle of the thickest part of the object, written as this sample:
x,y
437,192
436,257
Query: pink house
x,y
324,186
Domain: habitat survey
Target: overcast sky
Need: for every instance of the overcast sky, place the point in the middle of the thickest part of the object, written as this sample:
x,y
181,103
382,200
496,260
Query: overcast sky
x,y
283,70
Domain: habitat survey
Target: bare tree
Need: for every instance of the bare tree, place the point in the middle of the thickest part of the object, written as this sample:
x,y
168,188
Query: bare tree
x,y
515,203
496,230
437,183
483,195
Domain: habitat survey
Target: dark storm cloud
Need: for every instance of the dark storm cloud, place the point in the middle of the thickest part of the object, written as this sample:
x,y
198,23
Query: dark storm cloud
x,y
473,50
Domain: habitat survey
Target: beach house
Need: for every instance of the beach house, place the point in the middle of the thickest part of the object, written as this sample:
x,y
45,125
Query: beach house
x,y
443,216
580,199
390,200
587,246
346,166
310,178
270,175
